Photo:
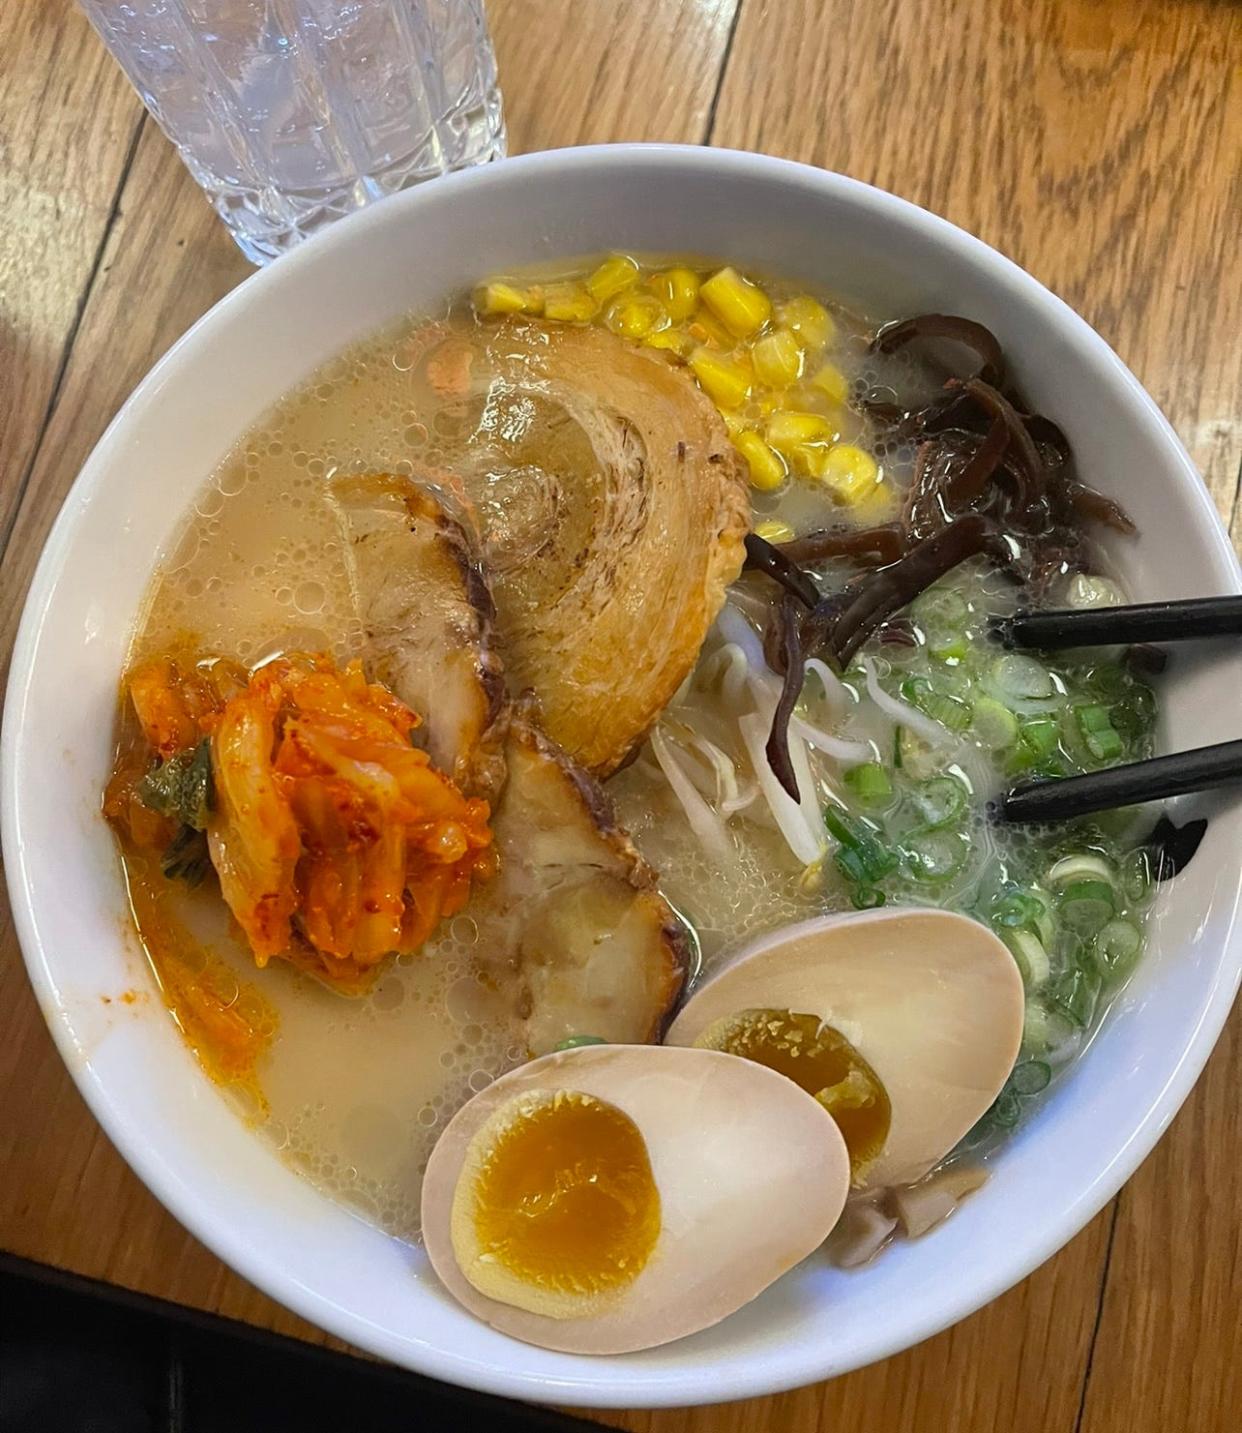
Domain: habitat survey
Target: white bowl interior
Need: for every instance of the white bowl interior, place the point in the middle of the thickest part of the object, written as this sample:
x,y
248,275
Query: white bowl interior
x,y
405,255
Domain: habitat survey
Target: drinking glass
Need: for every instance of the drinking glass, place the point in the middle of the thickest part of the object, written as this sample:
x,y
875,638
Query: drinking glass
x,y
292,113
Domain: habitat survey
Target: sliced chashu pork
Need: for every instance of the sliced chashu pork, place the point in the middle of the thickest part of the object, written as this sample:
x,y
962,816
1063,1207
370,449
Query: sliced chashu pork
x,y
612,508
599,950
427,615
572,925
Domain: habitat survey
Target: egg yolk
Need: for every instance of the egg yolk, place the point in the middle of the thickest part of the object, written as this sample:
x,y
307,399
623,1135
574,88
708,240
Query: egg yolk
x,y
565,1199
819,1060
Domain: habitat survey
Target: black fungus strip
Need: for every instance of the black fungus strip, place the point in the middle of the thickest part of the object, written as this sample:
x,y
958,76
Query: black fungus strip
x,y
873,545
1092,506
1028,463
777,749
946,325
875,598
967,484
761,556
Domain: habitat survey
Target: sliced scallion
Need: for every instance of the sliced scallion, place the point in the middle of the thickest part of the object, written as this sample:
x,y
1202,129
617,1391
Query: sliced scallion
x,y
1080,867
870,783
993,723
932,857
1030,956
939,801
1117,947
1030,1077
1075,994
1086,906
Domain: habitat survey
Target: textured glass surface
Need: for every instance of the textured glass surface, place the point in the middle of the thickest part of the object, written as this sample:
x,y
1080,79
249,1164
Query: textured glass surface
x,y
291,113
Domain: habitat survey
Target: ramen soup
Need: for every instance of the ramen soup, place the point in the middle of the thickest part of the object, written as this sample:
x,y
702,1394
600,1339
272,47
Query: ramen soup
x,y
549,752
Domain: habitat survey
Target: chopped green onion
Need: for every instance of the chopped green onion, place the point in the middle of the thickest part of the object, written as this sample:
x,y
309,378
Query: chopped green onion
x,y
1030,956
860,857
993,723
948,711
949,649
939,801
576,1042
1086,906
866,898
1135,716
940,608
1007,1110
870,783
1039,736
1020,678
1030,1077
1024,910
935,856
1137,878
1117,947
1080,867
1044,1031
912,754
1105,745
1075,994
1096,729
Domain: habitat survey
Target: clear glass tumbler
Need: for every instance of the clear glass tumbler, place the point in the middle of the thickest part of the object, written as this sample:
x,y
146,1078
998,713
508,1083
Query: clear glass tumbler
x,y
292,113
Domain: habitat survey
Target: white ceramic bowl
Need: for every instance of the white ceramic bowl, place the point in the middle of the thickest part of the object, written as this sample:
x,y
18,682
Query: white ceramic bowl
x,y
407,254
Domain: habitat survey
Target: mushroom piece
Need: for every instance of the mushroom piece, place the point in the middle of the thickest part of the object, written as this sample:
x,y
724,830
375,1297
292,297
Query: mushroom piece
x,y
427,615
574,910
613,510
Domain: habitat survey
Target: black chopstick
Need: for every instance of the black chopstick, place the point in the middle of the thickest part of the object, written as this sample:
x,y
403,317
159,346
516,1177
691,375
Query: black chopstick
x,y
1062,799
1139,622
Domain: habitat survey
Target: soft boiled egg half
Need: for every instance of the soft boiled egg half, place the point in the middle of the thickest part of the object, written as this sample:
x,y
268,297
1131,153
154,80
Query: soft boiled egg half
x,y
904,1024
610,1198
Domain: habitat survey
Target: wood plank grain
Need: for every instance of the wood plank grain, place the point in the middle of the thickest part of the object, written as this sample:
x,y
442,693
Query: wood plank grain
x,y
1095,142
608,70
67,119
1097,151
990,1372
1166,1354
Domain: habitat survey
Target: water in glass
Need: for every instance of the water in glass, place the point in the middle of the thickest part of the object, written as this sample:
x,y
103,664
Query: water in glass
x,y
292,113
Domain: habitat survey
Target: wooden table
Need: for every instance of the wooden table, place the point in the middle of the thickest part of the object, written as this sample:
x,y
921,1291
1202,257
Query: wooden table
x,y
1098,142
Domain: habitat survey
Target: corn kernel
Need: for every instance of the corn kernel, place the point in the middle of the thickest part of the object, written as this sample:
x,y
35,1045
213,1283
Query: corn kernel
x,y
569,303
706,329
497,298
767,469
810,460
778,359
774,530
734,423
725,381
809,319
616,274
741,306
635,315
672,340
878,505
851,472
678,291
787,431
832,383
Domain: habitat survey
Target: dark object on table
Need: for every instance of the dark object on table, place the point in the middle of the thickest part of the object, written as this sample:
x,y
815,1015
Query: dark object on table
x,y
82,1357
